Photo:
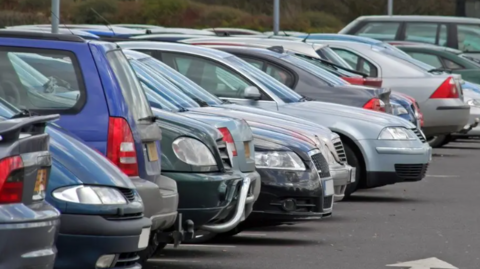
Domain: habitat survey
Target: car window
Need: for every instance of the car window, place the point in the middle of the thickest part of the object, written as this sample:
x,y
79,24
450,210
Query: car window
x,y
329,54
25,87
258,64
357,62
210,75
442,36
421,32
451,65
131,89
427,58
379,30
279,74
468,37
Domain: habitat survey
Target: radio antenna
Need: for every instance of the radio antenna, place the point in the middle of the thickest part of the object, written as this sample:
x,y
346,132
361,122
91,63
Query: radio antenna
x,y
56,16
107,23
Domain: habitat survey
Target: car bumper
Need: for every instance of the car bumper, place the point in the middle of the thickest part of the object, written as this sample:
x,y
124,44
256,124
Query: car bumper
x,y
342,174
160,201
390,162
472,128
29,244
83,239
444,116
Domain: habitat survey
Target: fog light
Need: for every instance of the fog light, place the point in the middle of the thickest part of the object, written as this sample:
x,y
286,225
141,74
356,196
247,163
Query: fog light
x,y
105,261
289,205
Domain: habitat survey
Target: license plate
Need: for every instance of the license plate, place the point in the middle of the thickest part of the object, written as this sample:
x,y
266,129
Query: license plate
x,y
328,189
152,152
353,174
246,145
144,238
40,185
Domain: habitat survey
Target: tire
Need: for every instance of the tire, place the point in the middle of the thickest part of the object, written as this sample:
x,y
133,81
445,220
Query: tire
x,y
352,161
437,141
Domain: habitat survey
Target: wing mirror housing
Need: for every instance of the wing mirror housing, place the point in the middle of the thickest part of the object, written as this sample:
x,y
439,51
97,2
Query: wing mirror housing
x,y
252,92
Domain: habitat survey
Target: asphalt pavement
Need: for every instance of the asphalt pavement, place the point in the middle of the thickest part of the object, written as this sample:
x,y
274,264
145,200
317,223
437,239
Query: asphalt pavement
x,y
435,219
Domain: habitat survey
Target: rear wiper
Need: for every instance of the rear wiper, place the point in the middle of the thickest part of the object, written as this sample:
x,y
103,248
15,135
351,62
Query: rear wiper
x,y
23,113
439,70
152,118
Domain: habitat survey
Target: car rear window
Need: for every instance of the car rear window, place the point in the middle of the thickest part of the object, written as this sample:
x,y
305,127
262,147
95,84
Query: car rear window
x,y
131,88
26,80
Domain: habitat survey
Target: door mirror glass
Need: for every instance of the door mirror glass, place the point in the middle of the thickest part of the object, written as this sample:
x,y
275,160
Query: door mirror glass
x,y
252,92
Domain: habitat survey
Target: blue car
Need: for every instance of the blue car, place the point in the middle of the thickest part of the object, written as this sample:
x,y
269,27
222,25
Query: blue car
x,y
101,103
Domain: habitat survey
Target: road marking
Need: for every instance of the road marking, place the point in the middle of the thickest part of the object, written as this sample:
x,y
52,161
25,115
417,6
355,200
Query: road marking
x,y
442,176
169,260
206,246
429,263
251,234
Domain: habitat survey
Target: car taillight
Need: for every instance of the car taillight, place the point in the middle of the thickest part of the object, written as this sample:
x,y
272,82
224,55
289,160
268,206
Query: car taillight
x,y
373,82
228,139
11,185
447,89
375,104
121,146
354,80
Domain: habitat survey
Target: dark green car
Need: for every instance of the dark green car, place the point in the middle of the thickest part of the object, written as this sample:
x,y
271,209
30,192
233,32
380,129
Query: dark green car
x,y
445,59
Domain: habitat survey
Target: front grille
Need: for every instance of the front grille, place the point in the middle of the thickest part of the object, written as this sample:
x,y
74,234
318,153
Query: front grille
x,y
411,172
419,134
321,164
222,148
327,202
126,260
337,143
124,216
302,205
129,194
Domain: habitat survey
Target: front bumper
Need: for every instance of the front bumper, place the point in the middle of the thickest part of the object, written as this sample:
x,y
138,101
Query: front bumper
x,y
83,239
391,161
342,174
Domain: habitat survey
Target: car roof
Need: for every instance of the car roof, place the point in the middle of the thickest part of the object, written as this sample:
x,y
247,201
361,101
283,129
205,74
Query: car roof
x,y
432,47
418,18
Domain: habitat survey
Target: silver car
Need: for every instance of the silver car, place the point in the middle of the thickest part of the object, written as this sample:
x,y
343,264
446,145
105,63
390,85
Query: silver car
x,y
385,149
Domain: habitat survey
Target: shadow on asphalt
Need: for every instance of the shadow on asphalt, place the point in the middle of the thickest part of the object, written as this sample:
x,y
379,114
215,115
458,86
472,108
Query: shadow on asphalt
x,y
265,241
469,148
186,265
180,253
447,155
284,228
379,199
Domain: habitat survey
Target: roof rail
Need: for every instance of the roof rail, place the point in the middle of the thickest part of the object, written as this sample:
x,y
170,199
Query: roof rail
x,y
39,35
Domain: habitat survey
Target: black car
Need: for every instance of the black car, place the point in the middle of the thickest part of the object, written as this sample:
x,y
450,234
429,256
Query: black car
x,y
309,80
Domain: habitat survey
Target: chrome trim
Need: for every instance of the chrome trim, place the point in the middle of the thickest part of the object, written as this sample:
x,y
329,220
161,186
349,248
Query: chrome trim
x,y
409,151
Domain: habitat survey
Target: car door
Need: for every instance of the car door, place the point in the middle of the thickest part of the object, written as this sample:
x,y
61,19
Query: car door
x,y
217,78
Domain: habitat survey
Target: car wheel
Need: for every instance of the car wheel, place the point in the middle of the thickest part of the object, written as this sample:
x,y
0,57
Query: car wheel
x,y
352,161
437,141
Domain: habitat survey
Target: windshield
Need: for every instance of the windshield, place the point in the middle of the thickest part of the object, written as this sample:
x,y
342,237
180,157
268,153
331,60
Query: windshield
x,y
276,87
130,86
333,57
314,70
188,87
157,99
162,87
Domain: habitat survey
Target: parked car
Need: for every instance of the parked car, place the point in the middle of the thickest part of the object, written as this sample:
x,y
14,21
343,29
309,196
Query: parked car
x,y
80,33
183,89
290,179
439,94
445,59
29,225
116,120
379,161
454,32
165,37
103,31
143,27
232,31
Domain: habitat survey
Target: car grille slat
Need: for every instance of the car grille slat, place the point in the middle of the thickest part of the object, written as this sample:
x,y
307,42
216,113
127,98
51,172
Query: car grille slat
x,y
419,135
321,164
127,260
222,148
411,172
129,194
337,143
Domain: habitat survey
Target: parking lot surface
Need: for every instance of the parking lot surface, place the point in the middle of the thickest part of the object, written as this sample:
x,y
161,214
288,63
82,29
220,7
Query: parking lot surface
x,y
436,218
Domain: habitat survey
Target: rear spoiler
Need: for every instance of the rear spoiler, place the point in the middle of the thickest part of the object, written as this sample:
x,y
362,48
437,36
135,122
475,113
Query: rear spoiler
x,y
10,129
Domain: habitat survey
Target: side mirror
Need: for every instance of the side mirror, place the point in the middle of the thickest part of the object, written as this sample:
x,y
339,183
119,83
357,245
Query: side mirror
x,y
252,92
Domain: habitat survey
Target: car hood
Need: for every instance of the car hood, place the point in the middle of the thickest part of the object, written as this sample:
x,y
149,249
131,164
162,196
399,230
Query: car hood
x,y
83,162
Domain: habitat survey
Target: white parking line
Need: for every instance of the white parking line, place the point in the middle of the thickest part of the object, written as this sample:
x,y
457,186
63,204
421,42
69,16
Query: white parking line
x,y
170,260
251,234
206,246
442,176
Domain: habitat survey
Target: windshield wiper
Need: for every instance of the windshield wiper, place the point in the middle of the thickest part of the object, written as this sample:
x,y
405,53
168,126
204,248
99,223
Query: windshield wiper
x,y
182,109
439,70
305,99
200,102
227,102
23,113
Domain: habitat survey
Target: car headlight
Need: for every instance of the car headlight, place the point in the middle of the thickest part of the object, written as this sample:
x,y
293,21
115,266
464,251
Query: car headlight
x,y
398,110
92,195
286,160
473,102
396,133
193,152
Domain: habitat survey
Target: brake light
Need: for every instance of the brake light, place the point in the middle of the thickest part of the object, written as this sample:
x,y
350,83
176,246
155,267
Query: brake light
x,y
447,89
354,80
373,82
228,139
121,146
11,187
375,104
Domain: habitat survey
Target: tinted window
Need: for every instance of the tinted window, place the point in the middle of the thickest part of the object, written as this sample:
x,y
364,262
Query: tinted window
x,y
379,30
442,37
131,89
468,37
357,62
258,64
451,65
210,75
421,32
429,59
26,87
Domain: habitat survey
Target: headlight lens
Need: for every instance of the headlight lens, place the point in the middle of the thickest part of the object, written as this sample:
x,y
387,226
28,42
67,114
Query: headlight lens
x,y
396,133
90,195
473,102
398,110
193,152
279,160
